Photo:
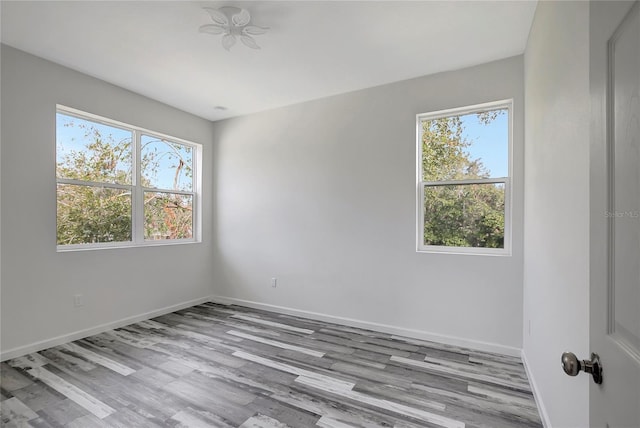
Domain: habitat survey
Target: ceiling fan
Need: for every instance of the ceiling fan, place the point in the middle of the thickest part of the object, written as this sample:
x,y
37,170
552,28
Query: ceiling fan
x,y
233,23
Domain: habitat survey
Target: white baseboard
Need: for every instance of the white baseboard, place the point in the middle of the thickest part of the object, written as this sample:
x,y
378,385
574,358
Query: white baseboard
x,y
383,328
80,334
544,416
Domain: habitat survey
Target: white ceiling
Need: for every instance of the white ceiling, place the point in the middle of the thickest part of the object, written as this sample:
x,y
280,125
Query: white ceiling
x,y
313,49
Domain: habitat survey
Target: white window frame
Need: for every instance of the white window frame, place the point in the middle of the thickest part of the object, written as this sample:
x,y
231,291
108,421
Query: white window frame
x,y
137,190
420,185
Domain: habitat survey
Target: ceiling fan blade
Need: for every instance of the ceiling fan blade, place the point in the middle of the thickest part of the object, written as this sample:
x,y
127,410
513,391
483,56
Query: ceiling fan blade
x,y
228,41
241,18
254,30
249,42
212,29
217,16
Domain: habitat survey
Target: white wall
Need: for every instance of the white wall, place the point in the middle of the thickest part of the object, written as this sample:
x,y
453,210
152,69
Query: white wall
x,y
556,261
38,283
321,195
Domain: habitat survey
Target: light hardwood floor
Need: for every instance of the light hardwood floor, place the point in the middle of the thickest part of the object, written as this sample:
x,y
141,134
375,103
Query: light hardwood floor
x,y
228,366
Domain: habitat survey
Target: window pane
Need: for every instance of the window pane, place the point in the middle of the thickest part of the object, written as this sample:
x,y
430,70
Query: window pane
x,y
89,214
469,215
470,146
168,216
166,165
91,151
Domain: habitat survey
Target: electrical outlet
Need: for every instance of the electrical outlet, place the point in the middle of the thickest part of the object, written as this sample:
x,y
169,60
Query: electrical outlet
x,y
274,282
78,300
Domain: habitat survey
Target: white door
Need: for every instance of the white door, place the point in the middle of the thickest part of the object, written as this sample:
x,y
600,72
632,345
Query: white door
x,y
615,212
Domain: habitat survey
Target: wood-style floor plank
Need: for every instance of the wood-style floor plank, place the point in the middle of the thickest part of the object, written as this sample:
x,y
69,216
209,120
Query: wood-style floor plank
x,y
228,366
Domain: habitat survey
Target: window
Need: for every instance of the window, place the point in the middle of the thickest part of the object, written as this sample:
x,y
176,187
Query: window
x,y
464,180
120,185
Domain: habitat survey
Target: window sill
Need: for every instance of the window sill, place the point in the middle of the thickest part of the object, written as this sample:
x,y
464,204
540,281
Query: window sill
x,y
122,245
470,251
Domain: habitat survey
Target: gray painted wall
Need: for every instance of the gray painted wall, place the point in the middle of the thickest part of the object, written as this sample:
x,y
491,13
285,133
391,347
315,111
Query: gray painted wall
x,y
321,195
38,284
556,262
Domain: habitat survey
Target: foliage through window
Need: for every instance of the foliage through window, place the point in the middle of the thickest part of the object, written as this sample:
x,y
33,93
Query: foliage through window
x,y
121,185
463,179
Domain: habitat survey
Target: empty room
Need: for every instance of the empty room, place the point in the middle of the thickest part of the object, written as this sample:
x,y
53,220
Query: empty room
x,y
320,214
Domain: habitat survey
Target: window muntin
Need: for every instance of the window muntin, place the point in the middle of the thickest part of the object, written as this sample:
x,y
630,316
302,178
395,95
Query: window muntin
x,y
120,185
464,180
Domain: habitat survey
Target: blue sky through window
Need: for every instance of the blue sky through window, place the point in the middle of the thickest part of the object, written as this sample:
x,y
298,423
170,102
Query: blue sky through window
x,y
490,142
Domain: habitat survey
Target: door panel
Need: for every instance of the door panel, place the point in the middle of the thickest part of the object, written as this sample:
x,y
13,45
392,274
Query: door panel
x,y
624,293
615,280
